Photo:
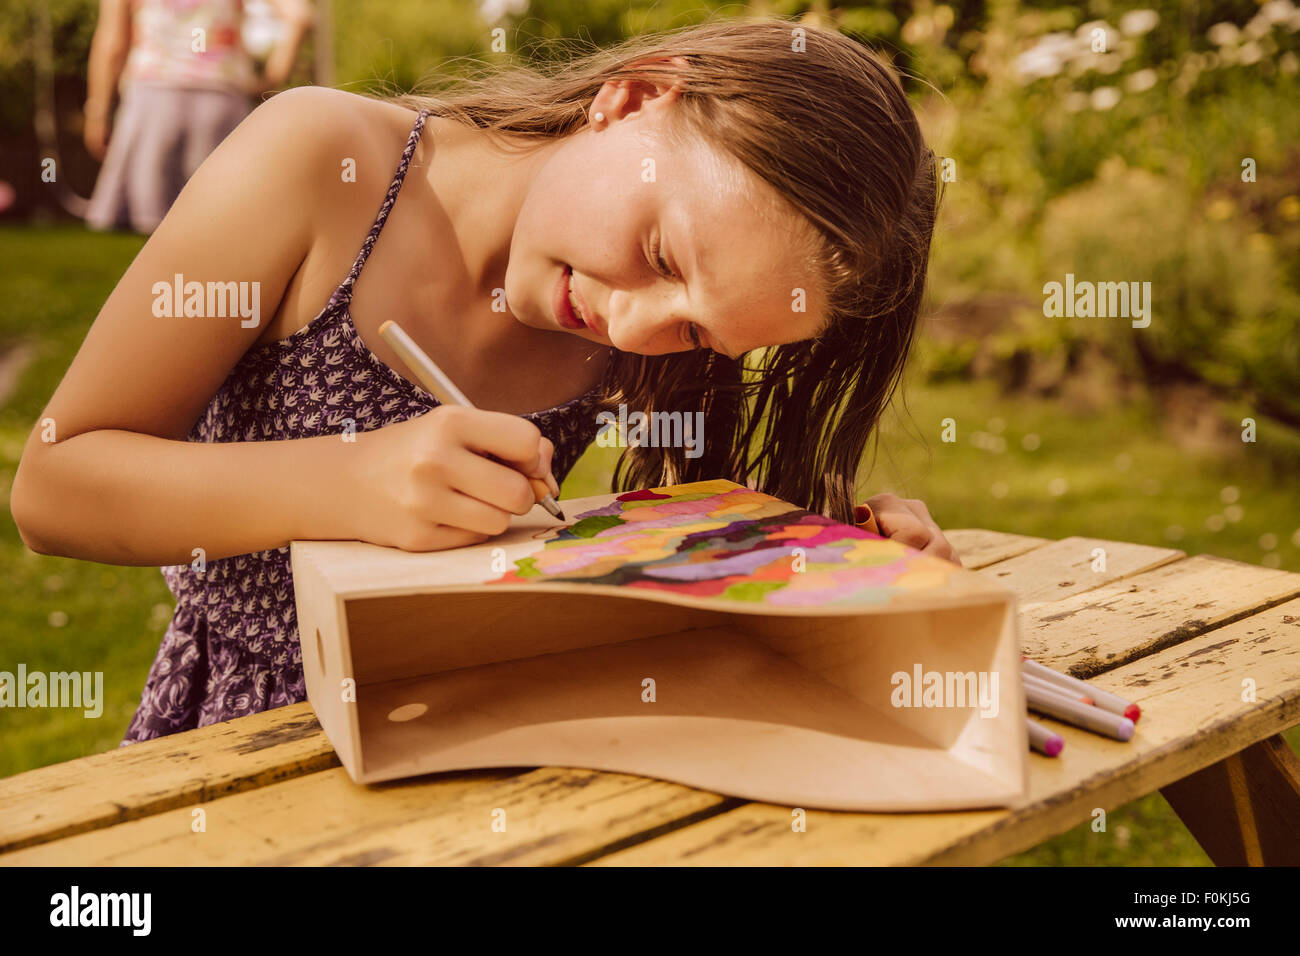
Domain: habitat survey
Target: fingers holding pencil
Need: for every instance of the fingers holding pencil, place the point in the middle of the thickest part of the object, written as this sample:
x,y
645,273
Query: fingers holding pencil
x,y
440,385
543,472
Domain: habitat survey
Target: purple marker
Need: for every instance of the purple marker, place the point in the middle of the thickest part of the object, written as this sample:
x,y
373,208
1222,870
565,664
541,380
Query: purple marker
x,y
1043,740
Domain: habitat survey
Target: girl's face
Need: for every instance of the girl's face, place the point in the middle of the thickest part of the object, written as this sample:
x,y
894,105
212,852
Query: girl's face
x,y
658,242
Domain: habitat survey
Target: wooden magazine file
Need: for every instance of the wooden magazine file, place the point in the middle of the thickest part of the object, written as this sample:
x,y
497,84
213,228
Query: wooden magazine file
x,y
786,706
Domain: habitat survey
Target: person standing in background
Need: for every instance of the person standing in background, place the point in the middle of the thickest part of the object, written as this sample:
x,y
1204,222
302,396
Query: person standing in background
x,y
186,81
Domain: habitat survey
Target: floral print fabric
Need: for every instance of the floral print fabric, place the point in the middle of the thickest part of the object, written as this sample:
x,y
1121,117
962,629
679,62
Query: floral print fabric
x,y
232,646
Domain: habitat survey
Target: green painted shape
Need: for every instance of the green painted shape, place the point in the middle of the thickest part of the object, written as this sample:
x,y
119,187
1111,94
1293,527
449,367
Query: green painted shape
x,y
590,527
527,568
755,591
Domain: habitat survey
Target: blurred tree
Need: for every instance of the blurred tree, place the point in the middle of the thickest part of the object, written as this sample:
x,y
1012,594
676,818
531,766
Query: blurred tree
x,y
390,46
71,23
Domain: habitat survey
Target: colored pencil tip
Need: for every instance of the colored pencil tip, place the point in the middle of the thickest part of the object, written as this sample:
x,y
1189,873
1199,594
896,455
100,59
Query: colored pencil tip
x,y
1125,729
560,514
1133,712
1053,745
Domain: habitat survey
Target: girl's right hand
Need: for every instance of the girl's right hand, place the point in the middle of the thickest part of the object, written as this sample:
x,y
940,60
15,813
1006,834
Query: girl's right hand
x,y
427,483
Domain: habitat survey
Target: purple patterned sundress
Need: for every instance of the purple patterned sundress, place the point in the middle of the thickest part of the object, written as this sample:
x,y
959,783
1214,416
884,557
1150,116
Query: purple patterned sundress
x,y
232,646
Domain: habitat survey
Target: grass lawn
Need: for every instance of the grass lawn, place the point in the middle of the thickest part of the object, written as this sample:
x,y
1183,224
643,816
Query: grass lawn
x,y
1017,465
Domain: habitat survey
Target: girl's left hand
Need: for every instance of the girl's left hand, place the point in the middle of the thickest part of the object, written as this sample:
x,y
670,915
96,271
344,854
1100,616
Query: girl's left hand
x,y
95,134
908,521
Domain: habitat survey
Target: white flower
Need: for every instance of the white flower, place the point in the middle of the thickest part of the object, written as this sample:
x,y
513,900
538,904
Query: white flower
x,y
1288,63
1223,34
1256,27
1137,22
1044,58
1037,62
1086,32
1060,43
1141,81
1277,11
494,10
1249,53
1105,97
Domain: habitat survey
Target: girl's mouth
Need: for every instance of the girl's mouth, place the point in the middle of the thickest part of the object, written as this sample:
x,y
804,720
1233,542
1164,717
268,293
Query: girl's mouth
x,y
564,312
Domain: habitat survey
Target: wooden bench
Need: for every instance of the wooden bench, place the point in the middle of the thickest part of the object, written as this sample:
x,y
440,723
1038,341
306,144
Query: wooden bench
x,y
1186,638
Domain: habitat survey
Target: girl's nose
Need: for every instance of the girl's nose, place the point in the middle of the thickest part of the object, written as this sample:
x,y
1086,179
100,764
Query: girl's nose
x,y
641,322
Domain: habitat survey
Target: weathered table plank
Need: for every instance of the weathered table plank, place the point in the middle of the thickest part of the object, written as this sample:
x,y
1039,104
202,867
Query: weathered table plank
x,y
1122,621
108,788
325,819
1062,568
979,547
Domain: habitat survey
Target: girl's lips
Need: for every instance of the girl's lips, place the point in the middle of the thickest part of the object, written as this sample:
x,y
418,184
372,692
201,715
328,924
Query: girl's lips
x,y
560,302
591,318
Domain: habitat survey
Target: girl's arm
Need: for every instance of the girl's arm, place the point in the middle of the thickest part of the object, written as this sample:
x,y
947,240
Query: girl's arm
x,y
296,15
107,474
108,51
119,483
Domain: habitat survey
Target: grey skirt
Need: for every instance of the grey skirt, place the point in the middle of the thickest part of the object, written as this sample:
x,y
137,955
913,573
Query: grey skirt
x,y
160,135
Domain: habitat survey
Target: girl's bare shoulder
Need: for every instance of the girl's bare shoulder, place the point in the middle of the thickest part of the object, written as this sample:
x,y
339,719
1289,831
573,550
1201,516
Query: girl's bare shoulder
x,y
333,131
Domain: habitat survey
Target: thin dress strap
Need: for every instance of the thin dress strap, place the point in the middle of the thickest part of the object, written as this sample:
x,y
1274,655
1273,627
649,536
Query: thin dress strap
x,y
345,289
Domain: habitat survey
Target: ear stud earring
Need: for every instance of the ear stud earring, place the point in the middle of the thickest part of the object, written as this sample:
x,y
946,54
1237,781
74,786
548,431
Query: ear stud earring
x,y
599,117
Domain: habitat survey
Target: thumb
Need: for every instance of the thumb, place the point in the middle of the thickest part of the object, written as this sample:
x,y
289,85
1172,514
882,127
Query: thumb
x,y
545,457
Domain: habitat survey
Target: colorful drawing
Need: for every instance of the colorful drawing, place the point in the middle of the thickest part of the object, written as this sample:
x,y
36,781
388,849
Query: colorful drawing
x,y
715,539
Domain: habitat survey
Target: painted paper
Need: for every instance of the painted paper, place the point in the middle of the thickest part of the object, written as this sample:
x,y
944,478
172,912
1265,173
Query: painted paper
x,y
714,539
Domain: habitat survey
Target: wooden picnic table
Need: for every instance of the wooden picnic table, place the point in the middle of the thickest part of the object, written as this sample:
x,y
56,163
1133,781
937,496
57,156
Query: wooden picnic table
x,y
1209,647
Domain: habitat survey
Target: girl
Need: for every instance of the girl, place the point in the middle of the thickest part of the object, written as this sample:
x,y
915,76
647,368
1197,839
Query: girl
x,y
623,228
186,81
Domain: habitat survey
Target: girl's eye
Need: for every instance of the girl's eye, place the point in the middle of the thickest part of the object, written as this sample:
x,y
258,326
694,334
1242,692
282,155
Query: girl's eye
x,y
659,261
691,332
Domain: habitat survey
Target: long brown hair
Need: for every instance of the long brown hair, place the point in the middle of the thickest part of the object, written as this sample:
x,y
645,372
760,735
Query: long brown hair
x,y
825,121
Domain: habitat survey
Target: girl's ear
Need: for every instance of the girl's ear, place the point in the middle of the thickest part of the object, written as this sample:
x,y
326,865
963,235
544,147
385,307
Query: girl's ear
x,y
677,81
618,99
